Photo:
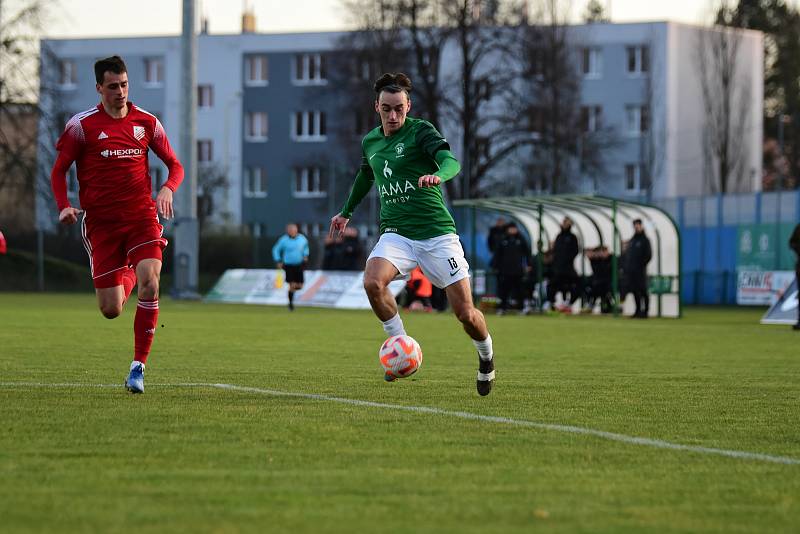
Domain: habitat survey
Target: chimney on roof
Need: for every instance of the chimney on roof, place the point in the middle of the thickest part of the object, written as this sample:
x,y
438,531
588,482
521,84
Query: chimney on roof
x,y
248,19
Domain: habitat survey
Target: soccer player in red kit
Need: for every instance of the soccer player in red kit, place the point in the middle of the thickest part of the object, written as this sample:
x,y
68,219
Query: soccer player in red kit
x,y
119,224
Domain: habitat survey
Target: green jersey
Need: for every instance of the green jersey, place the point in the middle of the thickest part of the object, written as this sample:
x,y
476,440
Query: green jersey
x,y
394,164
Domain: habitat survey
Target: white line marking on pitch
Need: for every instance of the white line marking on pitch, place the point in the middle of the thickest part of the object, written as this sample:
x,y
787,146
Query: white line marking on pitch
x,y
569,429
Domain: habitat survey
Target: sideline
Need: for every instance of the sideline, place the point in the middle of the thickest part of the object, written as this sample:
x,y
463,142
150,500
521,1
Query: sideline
x,y
633,440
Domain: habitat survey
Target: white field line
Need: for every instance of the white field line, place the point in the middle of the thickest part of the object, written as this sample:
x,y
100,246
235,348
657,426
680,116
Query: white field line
x,y
569,429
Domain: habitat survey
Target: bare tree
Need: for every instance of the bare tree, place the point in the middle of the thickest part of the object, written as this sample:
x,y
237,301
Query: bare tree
x,y
20,27
454,52
726,95
780,22
545,110
404,36
479,34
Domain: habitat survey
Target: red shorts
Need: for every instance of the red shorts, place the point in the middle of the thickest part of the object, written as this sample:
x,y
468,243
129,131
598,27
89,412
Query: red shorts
x,y
116,246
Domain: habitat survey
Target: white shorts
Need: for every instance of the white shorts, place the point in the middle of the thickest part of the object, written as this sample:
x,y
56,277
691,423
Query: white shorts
x,y
441,258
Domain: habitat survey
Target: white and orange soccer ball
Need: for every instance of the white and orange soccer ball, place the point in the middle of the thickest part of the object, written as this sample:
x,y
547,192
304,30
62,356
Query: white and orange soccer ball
x,y
400,356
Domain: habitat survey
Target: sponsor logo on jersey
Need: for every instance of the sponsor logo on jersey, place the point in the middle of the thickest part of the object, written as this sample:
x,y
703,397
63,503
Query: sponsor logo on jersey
x,y
387,171
400,149
138,132
395,193
102,135
122,153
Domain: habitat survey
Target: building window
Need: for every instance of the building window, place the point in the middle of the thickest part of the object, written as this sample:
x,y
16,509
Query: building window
x,y
205,150
635,180
256,126
638,59
67,74
637,120
255,182
156,179
309,182
153,71
631,178
309,69
364,70
256,70
590,118
592,63
309,126
205,96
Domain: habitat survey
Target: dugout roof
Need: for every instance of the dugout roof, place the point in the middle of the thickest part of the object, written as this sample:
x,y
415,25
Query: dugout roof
x,y
598,221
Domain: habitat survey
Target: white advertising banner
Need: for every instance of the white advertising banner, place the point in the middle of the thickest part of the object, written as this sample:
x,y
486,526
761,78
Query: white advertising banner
x,y
326,289
762,288
785,310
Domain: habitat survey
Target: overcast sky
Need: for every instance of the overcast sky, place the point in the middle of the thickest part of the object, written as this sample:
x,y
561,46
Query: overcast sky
x,y
95,18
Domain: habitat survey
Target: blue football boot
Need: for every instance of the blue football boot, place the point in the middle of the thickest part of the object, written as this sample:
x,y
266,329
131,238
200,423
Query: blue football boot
x,y
135,381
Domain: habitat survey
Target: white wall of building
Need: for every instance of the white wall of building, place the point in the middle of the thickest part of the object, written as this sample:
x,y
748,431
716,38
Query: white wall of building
x,y
687,114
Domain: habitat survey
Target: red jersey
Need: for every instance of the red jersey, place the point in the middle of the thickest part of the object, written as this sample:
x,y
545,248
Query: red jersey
x,y
111,155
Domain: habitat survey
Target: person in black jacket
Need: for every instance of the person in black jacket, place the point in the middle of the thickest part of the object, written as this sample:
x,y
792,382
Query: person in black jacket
x,y
794,243
637,256
352,251
564,277
600,281
496,233
512,260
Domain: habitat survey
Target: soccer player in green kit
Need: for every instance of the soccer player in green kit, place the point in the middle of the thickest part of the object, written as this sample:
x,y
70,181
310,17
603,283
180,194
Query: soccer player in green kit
x,y
407,160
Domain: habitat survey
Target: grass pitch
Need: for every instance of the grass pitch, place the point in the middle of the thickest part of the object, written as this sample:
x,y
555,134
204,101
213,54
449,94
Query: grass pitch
x,y
184,458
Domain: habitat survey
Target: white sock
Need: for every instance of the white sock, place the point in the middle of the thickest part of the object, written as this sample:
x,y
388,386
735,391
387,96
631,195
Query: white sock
x,y
134,363
394,326
484,348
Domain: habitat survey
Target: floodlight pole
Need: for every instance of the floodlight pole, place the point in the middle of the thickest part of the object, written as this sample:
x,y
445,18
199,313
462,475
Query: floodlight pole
x,y
186,228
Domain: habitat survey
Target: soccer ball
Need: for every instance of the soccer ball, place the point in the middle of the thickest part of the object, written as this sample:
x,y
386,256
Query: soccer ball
x,y
400,356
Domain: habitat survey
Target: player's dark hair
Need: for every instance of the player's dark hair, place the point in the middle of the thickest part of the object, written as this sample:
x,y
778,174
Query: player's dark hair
x,y
637,221
110,64
392,83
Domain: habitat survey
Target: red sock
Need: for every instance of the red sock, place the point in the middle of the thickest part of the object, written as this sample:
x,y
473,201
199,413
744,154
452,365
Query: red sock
x,y
128,281
144,328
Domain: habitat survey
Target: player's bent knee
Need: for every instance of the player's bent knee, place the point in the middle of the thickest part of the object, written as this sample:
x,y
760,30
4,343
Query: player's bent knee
x,y
373,286
148,289
111,311
467,315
